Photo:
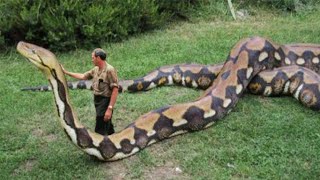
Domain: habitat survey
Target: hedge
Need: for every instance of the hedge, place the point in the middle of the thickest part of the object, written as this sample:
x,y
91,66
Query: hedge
x,y
68,24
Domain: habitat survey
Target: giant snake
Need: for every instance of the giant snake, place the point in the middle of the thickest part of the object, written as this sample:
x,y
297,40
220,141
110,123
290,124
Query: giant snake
x,y
256,63
275,82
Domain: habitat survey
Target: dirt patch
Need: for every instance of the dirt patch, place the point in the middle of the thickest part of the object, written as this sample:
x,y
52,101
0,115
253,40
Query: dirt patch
x,y
50,137
168,171
37,132
41,134
117,169
25,166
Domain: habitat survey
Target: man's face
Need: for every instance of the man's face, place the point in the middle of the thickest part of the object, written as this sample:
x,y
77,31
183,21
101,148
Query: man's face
x,y
94,59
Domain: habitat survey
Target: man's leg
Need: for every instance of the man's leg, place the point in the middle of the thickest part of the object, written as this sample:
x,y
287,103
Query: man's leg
x,y
101,104
109,127
101,127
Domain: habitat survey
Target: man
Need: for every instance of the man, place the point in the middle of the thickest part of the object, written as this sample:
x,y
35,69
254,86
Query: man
x,y
105,89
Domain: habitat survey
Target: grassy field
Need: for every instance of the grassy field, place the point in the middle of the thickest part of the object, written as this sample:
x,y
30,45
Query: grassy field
x,y
262,138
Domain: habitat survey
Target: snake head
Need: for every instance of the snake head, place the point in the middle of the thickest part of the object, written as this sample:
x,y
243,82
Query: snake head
x,y
44,59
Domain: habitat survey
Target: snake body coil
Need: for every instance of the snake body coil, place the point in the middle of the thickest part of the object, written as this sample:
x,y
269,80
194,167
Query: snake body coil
x,y
247,58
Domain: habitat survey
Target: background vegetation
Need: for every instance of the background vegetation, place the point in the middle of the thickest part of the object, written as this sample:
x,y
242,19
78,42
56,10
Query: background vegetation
x,y
69,24
262,138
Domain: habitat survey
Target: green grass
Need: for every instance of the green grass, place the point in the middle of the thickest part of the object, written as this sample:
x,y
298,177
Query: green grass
x,y
263,138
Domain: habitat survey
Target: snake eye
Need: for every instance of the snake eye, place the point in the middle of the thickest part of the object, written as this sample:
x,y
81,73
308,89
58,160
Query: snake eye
x,y
33,51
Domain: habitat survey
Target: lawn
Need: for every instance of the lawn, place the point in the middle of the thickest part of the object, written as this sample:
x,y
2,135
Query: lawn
x,y
262,138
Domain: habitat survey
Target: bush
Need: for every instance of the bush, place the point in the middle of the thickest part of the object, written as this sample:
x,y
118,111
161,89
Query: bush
x,y
2,44
67,24
285,5
177,8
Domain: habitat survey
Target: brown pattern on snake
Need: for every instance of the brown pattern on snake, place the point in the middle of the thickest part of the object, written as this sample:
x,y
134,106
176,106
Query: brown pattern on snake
x,y
248,58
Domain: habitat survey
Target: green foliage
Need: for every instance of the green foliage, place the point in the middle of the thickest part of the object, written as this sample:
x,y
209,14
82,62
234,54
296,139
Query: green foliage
x,y
286,5
66,24
2,44
9,19
212,9
177,8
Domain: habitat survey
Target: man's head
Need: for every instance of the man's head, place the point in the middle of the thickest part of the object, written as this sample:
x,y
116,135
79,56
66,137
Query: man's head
x,y
97,55
98,52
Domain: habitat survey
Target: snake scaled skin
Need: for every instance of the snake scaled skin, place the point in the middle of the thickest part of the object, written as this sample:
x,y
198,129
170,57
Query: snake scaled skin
x,y
275,82
189,75
247,58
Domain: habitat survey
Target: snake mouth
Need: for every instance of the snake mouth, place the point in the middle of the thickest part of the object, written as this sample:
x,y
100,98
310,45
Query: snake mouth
x,y
30,52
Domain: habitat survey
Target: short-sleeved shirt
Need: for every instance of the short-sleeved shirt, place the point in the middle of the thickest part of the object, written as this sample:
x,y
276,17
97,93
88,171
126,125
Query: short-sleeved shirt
x,y
103,81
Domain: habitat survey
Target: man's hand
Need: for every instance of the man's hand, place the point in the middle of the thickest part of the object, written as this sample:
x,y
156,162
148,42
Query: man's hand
x,y
107,115
64,71
72,74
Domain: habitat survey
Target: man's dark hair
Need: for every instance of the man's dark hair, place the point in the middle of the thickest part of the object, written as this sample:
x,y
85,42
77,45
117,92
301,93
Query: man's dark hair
x,y
101,53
